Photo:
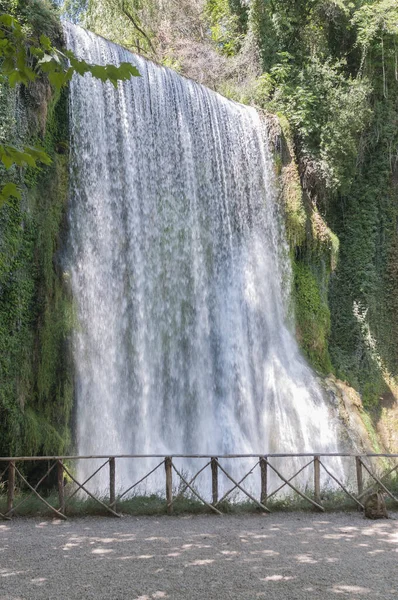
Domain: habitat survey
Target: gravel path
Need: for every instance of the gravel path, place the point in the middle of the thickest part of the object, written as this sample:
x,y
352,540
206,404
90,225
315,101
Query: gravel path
x,y
278,557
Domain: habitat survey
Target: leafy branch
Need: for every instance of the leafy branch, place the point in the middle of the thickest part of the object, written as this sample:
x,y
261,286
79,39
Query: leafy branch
x,y
24,59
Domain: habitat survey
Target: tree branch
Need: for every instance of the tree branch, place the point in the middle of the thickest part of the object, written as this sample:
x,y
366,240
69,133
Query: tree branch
x,y
137,27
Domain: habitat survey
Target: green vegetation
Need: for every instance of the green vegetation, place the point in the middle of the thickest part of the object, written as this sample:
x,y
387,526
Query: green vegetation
x,y
329,68
313,316
155,504
35,393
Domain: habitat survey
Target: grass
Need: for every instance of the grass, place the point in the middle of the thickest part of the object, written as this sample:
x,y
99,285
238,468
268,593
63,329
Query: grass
x,y
27,504
155,505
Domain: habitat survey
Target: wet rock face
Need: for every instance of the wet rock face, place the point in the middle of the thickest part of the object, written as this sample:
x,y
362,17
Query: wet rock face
x,y
37,99
353,433
361,431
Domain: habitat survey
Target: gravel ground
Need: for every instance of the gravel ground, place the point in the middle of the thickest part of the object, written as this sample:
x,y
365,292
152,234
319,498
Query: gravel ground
x,y
278,557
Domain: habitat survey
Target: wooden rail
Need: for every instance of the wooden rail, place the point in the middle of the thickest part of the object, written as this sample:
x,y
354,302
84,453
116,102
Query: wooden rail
x,y
13,477
107,456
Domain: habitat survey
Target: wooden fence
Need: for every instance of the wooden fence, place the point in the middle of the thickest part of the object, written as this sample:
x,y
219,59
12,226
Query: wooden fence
x,y
367,479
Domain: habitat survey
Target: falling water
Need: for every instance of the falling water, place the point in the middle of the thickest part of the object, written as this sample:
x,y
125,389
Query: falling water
x,y
178,266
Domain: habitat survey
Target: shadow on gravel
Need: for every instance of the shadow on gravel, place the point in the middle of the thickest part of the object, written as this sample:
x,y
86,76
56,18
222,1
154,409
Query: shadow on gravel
x,y
279,557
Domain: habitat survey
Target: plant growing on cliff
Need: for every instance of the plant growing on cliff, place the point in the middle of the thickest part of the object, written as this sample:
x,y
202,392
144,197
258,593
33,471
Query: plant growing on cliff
x,y
328,111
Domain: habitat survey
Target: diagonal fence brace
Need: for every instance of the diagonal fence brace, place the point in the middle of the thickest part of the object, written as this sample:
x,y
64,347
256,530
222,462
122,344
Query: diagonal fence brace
x,y
235,486
34,491
289,480
115,514
213,508
319,506
180,494
68,498
380,483
136,483
242,489
342,486
374,486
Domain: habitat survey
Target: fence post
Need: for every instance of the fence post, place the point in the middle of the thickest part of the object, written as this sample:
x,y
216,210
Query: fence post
x,y
169,483
358,462
61,490
11,486
112,482
264,479
317,479
214,479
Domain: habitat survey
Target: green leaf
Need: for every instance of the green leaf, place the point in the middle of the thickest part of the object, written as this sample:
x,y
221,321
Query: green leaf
x,y
38,52
6,20
46,43
7,161
11,23
21,58
48,66
129,69
57,79
8,65
38,154
11,189
25,158
80,66
69,54
31,75
121,73
14,78
99,72
9,155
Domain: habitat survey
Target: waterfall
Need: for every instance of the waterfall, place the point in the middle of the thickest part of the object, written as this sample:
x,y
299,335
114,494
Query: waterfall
x,y
180,274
